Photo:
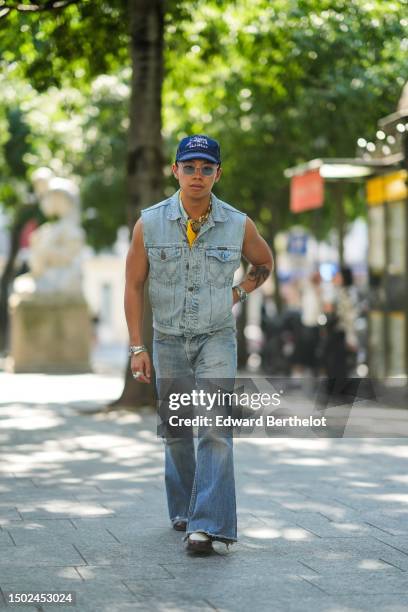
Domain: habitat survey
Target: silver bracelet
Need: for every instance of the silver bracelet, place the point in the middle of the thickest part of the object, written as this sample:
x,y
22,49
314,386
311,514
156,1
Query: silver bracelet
x,y
242,294
136,349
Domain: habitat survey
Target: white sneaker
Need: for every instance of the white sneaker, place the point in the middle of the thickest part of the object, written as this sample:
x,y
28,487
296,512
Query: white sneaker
x,y
199,536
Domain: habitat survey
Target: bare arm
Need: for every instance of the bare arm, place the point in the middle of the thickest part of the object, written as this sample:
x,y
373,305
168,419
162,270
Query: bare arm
x,y
137,270
258,254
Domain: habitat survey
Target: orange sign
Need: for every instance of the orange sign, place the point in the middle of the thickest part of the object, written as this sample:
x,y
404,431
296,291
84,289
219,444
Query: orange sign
x,y
306,191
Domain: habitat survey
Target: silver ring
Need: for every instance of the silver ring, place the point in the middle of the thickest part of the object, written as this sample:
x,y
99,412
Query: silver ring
x,y
136,374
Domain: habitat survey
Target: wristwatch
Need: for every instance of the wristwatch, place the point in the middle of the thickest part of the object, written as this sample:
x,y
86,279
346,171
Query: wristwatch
x,y
135,350
242,294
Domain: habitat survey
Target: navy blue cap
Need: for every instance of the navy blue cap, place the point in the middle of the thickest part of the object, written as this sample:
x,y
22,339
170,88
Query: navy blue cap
x,y
198,146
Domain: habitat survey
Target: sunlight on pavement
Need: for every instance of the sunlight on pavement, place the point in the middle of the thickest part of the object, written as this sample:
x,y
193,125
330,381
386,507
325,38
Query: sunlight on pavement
x,y
266,533
43,388
23,418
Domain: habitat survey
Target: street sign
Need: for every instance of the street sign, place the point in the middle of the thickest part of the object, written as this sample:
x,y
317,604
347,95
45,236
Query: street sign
x,y
297,243
306,191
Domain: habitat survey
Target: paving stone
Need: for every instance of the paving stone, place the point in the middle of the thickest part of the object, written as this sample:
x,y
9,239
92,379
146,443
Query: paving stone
x,y
122,525
5,539
60,508
55,526
398,543
339,553
363,582
8,514
14,484
322,526
23,536
33,578
121,485
71,489
248,520
122,507
141,531
368,603
121,554
25,496
41,555
394,524
105,497
222,591
141,571
231,567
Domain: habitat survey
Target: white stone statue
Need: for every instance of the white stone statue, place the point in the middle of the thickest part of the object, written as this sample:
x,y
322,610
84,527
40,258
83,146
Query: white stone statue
x,y
56,246
403,101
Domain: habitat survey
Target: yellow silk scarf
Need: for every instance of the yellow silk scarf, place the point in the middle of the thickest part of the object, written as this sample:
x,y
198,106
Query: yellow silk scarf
x,y
191,234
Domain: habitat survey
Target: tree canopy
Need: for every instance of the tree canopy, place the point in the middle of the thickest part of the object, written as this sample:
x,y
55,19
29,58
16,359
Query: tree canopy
x,y
277,83
280,83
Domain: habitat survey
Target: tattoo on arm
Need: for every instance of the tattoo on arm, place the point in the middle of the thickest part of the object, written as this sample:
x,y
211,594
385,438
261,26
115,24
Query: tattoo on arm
x,y
258,274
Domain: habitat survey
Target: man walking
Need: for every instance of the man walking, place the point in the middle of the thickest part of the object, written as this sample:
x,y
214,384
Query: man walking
x,y
189,246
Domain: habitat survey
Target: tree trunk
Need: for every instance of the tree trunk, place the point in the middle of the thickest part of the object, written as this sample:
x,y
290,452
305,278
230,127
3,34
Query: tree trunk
x,y
274,228
338,189
145,149
242,353
277,295
6,279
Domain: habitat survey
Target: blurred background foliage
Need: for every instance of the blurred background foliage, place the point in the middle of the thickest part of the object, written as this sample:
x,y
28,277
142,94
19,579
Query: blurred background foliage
x,y
277,83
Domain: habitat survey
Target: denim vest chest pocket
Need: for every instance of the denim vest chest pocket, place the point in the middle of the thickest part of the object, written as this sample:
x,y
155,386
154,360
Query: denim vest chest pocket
x,y
165,263
221,263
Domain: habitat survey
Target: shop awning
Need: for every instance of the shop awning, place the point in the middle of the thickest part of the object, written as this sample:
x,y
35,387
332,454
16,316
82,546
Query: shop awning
x,y
307,180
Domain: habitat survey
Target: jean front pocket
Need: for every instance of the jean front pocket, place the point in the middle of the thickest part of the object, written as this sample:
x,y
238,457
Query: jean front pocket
x,y
221,264
165,263
161,338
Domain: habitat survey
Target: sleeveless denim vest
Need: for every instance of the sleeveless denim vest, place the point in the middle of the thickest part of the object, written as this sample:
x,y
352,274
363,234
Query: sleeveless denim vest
x,y
190,289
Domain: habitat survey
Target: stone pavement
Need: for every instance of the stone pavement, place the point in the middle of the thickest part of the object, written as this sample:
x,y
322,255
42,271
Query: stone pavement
x,y
323,523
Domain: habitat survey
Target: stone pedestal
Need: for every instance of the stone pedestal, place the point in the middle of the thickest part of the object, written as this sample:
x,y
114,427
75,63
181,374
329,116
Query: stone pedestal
x,y
49,333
